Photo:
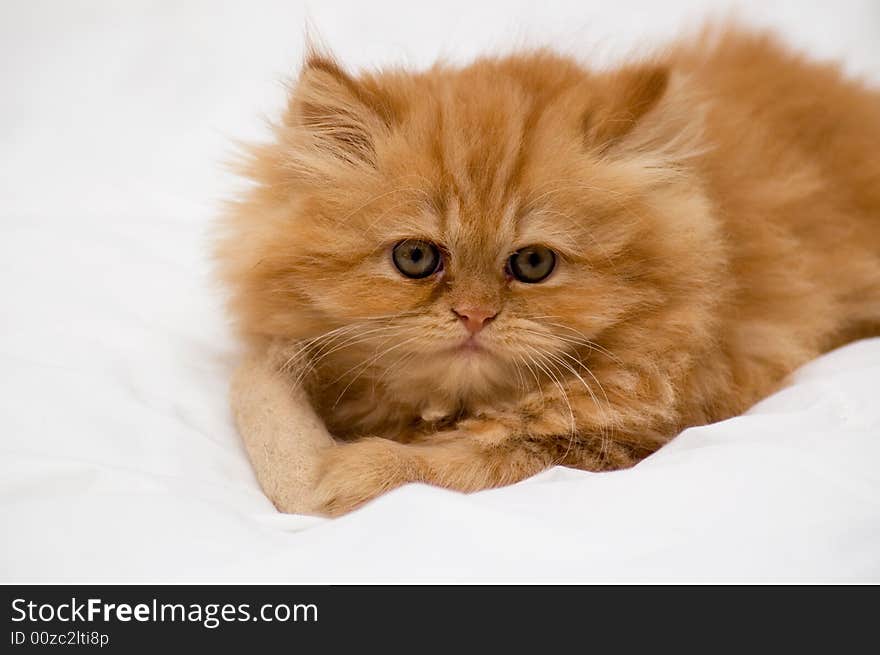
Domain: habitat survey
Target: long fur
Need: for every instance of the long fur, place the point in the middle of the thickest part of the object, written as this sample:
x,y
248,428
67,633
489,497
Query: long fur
x,y
715,210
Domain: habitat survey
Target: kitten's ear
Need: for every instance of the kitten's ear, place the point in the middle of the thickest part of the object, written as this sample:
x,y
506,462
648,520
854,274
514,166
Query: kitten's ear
x,y
339,116
646,111
625,96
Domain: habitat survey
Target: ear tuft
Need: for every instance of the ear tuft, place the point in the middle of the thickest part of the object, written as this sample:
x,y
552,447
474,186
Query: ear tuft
x,y
625,97
338,115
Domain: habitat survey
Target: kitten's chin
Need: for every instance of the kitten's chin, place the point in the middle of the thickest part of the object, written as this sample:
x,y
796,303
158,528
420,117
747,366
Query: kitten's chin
x,y
474,366
455,379
461,371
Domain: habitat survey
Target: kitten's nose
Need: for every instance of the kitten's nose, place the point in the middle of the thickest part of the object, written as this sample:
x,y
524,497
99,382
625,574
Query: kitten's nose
x,y
474,318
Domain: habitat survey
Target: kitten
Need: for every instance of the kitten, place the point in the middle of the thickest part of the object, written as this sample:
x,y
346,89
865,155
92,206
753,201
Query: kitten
x,y
480,272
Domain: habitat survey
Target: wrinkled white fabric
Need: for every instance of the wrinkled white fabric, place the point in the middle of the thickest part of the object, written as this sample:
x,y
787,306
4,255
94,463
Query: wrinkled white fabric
x,y
118,459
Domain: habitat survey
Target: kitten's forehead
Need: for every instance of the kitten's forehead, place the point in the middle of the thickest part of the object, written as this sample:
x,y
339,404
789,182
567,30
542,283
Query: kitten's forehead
x,y
471,143
481,132
479,232
479,147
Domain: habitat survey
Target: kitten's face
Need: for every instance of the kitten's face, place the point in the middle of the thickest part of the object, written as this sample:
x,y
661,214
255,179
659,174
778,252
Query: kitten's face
x,y
461,231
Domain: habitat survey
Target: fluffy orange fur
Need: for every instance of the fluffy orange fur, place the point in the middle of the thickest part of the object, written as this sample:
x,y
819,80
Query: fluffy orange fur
x,y
715,212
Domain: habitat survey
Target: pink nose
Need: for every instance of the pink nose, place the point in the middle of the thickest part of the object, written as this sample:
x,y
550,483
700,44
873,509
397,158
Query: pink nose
x,y
474,318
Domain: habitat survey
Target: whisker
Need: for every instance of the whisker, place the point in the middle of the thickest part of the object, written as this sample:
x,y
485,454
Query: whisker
x,y
359,337
365,365
397,364
535,375
592,345
605,424
327,339
573,422
355,341
521,380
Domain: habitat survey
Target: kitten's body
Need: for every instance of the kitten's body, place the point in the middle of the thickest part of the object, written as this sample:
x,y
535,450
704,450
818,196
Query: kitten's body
x,y
717,220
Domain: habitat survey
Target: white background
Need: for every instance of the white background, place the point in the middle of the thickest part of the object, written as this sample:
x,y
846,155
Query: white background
x,y
118,461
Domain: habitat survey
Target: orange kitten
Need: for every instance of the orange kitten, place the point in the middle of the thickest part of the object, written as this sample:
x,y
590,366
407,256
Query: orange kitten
x,y
480,272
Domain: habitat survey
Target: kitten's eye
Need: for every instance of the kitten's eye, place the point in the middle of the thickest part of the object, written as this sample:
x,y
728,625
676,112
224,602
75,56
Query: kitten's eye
x,y
416,259
532,264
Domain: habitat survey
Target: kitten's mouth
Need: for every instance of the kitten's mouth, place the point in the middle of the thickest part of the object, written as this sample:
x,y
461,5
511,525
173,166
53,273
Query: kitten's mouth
x,y
470,345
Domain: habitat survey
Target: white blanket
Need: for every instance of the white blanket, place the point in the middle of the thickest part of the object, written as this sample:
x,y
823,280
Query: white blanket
x,y
118,460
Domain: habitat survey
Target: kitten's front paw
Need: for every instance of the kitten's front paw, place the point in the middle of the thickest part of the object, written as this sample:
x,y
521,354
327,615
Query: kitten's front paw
x,y
352,474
